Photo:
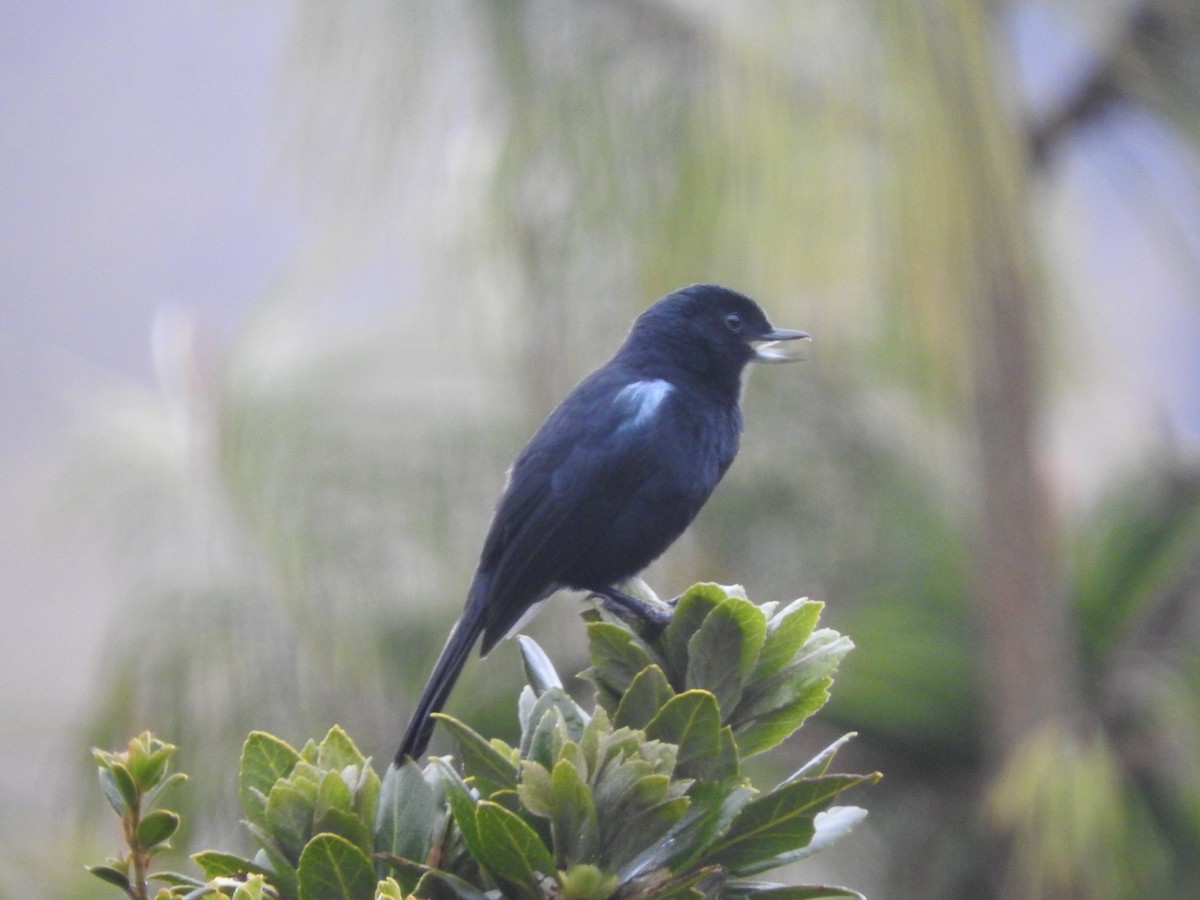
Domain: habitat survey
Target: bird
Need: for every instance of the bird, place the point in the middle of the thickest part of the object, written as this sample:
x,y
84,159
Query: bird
x,y
613,476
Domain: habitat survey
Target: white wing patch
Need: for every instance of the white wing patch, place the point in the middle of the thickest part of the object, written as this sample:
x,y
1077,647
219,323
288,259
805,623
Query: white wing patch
x,y
643,398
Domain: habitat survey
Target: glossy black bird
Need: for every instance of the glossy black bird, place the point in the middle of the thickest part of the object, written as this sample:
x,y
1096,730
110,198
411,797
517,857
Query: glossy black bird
x,y
614,475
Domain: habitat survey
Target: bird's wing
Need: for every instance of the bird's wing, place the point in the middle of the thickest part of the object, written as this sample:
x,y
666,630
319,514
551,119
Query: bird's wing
x,y
583,465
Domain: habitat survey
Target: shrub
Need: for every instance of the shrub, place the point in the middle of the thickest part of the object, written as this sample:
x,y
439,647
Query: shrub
x,y
644,796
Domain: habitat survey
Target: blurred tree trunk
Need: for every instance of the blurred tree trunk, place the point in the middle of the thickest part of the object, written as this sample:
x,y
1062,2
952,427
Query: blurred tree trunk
x,y
962,178
1028,659
964,172
1028,662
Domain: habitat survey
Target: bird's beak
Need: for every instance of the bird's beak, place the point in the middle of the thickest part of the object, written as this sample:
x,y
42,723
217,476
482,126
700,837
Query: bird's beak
x,y
766,348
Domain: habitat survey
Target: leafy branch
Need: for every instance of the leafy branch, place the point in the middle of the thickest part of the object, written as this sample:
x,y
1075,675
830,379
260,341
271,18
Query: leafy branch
x,y
642,797
133,781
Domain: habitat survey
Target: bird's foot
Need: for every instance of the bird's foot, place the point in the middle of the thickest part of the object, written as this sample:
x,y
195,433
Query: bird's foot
x,y
619,602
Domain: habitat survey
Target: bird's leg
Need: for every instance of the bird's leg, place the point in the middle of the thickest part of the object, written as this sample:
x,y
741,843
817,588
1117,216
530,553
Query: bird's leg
x,y
618,601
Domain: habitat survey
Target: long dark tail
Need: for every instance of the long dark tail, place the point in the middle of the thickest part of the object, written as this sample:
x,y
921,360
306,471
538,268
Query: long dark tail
x,y
437,689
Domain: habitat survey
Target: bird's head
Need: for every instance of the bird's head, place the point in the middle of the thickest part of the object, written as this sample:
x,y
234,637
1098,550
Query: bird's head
x,y
710,329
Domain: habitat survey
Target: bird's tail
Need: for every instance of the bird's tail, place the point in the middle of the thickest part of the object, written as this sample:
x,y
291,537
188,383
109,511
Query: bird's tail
x,y
437,689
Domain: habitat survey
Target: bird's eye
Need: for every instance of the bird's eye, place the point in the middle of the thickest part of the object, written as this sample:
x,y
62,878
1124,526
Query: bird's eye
x,y
733,322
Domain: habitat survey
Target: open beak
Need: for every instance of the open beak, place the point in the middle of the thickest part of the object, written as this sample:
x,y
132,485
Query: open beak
x,y
767,349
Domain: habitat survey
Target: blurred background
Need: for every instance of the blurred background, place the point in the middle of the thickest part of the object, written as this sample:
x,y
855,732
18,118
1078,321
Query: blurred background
x,y
288,284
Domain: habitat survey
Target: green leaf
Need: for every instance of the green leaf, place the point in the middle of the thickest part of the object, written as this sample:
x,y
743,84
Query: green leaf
x,y
573,752
641,820
606,699
272,856
345,824
786,634
645,696
551,708
265,759
622,761
727,763
156,827
175,879
540,743
404,822
215,864
123,783
490,768
337,751
365,792
767,731
162,787
829,827
462,807
112,790
595,736
112,876
512,851
713,806
536,790
692,722
148,769
573,823
389,889
525,703
333,794
778,822
628,788
289,815
539,671
332,868
822,653
820,763
617,655
693,608
724,650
